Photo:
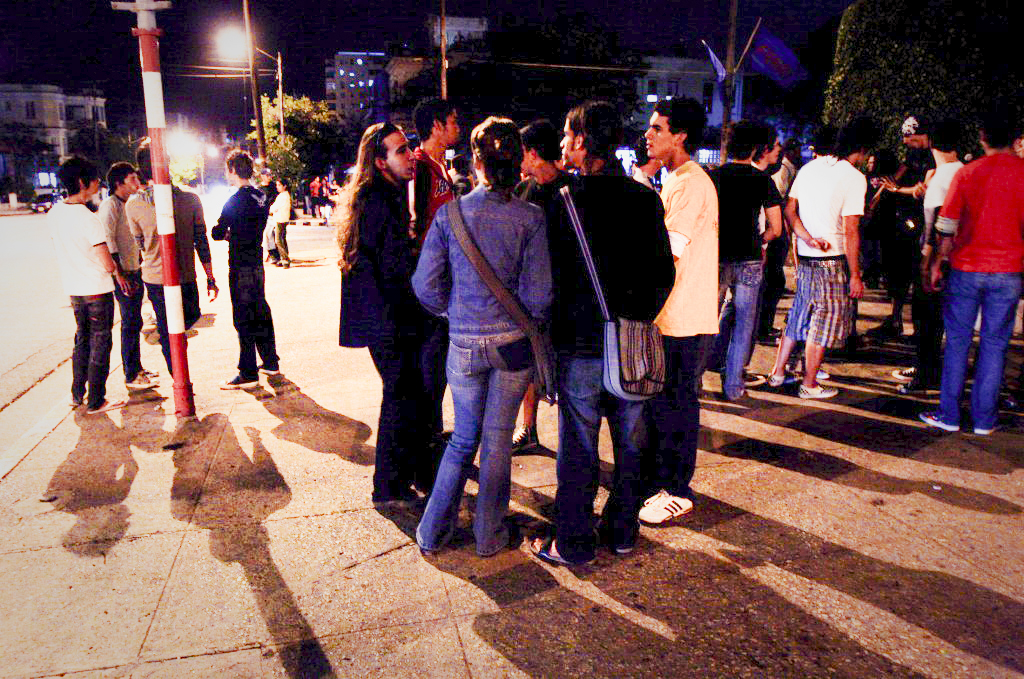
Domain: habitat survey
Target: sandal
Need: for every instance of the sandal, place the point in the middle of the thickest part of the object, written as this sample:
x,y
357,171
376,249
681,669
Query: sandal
x,y
541,548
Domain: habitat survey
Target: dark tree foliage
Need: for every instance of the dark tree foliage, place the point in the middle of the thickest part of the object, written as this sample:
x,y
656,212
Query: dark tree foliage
x,y
100,145
493,80
936,58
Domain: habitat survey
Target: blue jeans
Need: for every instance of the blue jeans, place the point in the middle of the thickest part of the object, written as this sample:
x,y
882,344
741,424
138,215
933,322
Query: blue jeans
x,y
996,294
581,402
736,321
90,360
486,403
131,324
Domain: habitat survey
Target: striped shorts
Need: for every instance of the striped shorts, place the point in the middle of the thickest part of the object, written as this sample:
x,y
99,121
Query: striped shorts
x,y
822,311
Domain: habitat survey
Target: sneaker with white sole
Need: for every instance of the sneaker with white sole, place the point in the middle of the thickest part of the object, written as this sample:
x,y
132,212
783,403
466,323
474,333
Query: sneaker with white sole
x,y
822,375
753,379
239,382
270,371
781,380
818,392
932,420
904,374
982,431
663,507
524,438
141,382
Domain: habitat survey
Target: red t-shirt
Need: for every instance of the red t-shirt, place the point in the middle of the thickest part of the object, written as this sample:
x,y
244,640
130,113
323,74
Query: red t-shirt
x,y
987,197
440,188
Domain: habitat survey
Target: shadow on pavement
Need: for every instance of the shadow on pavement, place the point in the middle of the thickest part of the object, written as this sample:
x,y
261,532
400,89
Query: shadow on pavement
x,y
310,425
838,470
217,487
92,483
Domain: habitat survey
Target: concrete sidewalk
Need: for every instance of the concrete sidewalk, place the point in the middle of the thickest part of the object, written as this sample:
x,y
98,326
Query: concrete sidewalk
x,y
836,538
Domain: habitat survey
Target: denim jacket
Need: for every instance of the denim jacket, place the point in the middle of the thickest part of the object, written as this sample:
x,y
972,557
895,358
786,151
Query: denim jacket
x,y
512,236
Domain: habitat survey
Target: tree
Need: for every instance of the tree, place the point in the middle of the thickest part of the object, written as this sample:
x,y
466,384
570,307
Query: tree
x,y
184,168
111,148
936,58
313,142
27,155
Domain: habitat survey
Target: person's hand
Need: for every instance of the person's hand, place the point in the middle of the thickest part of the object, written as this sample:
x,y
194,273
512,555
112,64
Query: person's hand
x,y
919,190
856,286
123,283
819,244
936,278
889,185
211,289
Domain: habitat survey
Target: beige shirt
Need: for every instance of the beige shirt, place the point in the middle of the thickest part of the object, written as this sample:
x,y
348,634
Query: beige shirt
x,y
190,233
691,217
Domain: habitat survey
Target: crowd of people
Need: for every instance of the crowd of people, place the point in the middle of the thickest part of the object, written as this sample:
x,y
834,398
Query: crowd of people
x,y
445,272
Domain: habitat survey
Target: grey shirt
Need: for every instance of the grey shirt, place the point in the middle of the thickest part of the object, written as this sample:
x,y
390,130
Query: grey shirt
x,y
120,240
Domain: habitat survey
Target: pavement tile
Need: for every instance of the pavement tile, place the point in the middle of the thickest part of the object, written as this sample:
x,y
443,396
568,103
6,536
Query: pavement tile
x,y
64,612
485,662
428,649
291,580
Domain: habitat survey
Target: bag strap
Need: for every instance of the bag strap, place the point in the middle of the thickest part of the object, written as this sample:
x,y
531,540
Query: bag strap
x,y
507,300
574,217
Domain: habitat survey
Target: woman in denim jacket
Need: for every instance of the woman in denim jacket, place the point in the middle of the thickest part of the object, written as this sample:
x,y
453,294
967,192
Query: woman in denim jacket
x,y
487,385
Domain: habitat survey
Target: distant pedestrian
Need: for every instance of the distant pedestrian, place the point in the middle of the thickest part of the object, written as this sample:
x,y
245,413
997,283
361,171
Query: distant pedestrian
x,y
241,224
380,311
85,266
277,223
486,384
123,180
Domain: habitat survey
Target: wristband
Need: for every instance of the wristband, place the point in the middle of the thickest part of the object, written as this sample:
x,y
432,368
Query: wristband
x,y
210,282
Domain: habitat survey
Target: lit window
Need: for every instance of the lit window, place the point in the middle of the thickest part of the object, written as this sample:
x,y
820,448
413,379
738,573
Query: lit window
x,y
371,82
362,84
359,61
351,74
652,98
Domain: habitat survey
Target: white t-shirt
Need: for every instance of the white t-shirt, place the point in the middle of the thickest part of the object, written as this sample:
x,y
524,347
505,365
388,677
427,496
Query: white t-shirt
x,y
938,187
75,231
826,190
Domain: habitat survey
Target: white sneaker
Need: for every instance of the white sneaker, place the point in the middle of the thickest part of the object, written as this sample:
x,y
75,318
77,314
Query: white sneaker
x,y
817,392
822,375
141,382
664,507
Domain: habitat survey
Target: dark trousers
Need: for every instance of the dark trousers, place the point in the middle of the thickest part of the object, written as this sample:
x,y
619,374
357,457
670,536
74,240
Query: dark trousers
x,y
401,432
281,241
251,315
773,285
90,360
582,400
190,306
433,359
131,324
928,330
675,417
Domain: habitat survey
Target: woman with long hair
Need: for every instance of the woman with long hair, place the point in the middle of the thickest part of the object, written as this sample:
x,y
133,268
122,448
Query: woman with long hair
x,y
379,309
489,358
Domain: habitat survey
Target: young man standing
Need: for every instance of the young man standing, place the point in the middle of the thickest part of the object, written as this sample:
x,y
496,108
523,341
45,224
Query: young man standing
x,y
190,240
241,224
542,182
981,231
635,270
85,265
123,180
743,192
437,124
825,205
689,319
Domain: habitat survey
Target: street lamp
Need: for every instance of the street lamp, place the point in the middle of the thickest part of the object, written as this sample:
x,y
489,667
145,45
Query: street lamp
x,y
233,44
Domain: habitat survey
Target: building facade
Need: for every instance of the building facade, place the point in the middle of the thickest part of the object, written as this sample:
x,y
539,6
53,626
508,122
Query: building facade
x,y
353,83
52,115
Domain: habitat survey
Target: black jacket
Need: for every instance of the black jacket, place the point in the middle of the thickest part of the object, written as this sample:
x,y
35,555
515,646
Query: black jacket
x,y
241,224
377,299
624,222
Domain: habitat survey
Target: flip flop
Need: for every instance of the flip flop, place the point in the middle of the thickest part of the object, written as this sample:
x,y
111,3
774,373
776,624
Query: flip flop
x,y
106,406
544,553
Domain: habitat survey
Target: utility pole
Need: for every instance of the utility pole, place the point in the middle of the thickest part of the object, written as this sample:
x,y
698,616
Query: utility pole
x,y
444,54
257,105
152,85
732,67
280,93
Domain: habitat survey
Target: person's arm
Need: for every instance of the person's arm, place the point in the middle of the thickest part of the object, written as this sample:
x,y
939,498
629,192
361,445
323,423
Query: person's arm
x,y
851,237
793,217
202,246
108,218
107,262
222,229
432,280
772,212
535,286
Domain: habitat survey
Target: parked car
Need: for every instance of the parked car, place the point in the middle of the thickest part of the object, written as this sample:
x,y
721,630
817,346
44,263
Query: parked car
x,y
44,201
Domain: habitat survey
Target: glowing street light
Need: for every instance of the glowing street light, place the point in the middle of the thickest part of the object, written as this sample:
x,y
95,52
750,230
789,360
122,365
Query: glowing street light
x,y
232,44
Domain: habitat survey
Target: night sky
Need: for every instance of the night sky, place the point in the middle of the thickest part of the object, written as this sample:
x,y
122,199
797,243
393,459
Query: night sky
x,y
84,42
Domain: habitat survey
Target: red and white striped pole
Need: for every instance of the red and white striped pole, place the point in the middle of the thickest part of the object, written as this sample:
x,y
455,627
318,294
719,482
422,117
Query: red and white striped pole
x,y
152,86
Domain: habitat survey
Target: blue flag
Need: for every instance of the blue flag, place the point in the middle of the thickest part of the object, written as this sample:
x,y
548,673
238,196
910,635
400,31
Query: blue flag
x,y
719,69
770,56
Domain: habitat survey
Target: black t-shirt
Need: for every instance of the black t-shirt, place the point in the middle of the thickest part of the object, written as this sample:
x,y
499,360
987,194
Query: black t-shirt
x,y
742,191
